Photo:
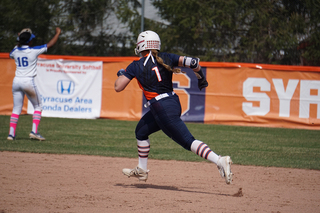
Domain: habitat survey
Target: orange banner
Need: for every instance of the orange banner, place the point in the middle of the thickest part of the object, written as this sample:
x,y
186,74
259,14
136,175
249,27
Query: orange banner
x,y
238,93
259,97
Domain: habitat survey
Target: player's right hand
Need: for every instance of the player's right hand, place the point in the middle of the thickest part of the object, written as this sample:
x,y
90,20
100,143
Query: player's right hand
x,y
58,30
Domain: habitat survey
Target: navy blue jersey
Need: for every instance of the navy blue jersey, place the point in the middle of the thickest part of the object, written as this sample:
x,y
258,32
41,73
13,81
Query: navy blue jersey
x,y
153,78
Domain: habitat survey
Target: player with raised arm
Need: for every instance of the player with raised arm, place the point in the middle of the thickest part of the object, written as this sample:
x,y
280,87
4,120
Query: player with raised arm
x,y
26,58
154,73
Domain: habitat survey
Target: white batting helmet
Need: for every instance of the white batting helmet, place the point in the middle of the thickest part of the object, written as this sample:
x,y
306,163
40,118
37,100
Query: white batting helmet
x,y
28,30
147,40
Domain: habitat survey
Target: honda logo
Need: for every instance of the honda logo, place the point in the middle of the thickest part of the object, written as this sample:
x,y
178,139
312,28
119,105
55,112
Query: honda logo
x,y
65,87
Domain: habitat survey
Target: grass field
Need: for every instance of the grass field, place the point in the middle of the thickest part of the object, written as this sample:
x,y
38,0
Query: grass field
x,y
291,148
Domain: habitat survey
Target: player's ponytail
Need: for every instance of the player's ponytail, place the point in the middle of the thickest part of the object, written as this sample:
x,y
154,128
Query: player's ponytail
x,y
160,61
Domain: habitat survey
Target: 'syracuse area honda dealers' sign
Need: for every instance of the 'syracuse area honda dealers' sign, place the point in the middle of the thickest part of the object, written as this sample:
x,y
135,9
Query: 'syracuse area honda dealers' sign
x,y
70,89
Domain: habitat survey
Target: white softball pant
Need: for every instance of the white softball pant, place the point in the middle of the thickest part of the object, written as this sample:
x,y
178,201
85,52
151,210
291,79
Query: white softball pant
x,y
25,86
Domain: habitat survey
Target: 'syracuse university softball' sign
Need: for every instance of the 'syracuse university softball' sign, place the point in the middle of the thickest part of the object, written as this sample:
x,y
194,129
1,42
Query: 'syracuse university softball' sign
x,y
70,89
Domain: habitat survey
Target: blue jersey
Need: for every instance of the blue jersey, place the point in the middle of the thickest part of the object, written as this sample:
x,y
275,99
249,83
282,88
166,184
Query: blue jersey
x,y
153,78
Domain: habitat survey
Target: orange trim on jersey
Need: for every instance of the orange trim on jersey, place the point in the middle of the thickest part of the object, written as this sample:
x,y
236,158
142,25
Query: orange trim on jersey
x,y
148,95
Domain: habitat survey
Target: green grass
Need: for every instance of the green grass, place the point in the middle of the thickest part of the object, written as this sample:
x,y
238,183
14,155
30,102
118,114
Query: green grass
x,y
291,148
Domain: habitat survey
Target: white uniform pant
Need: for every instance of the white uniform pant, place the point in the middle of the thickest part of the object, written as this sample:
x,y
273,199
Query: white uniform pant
x,y
25,86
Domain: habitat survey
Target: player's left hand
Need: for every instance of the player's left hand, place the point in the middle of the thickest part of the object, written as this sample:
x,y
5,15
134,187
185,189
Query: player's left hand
x,y
202,83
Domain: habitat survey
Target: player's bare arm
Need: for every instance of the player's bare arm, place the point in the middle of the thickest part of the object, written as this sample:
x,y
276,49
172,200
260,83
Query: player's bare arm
x,y
121,83
55,38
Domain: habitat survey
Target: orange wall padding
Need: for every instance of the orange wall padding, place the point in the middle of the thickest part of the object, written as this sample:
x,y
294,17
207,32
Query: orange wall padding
x,y
223,98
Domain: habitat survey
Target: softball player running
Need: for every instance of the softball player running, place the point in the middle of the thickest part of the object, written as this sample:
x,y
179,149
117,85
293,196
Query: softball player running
x,y
154,74
26,58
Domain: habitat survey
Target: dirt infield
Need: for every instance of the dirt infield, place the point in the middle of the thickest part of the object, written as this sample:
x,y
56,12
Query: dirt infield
x,y
73,183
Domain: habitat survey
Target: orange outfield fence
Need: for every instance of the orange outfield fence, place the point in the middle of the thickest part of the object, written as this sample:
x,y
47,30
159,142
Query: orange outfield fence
x,y
238,93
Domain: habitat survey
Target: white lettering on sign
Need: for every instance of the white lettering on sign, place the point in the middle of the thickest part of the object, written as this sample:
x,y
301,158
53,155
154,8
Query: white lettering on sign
x,y
263,98
284,95
306,98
